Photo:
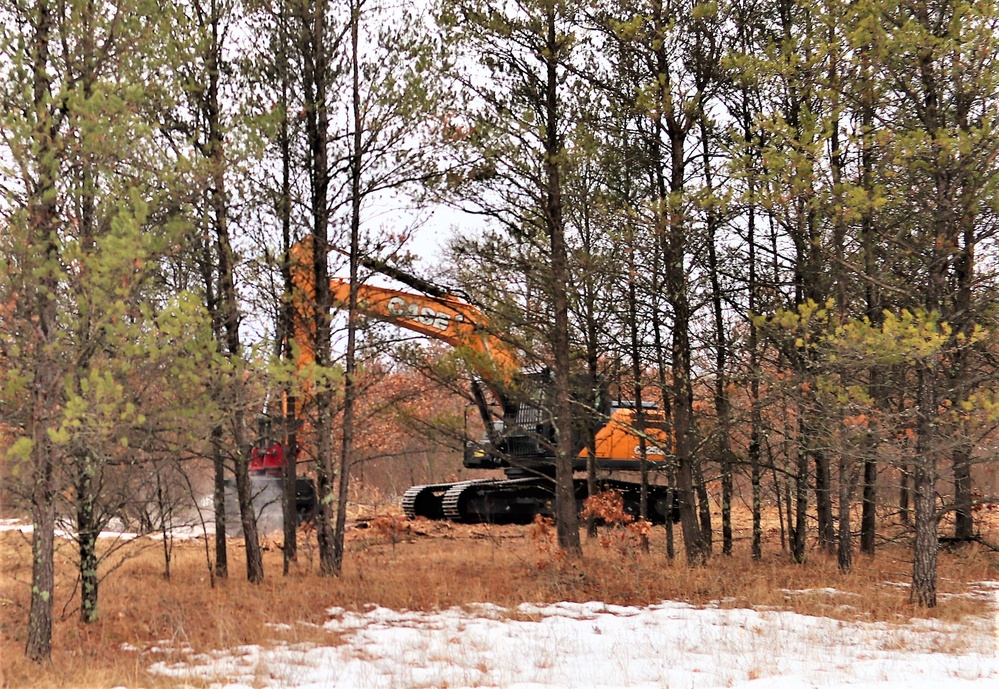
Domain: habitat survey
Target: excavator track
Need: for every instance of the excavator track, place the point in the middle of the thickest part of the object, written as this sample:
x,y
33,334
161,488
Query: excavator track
x,y
498,501
425,501
520,500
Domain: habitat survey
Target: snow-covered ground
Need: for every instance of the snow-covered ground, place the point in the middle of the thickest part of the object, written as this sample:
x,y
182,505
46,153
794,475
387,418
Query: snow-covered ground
x,y
192,522
114,531
593,645
15,525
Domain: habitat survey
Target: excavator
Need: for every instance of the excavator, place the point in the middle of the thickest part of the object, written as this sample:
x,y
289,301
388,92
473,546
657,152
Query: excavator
x,y
519,435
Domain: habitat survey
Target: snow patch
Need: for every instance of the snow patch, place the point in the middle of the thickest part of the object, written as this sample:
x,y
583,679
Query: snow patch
x,y
602,646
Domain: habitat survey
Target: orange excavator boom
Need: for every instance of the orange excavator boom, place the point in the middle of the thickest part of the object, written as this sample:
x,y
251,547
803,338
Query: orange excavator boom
x,y
447,319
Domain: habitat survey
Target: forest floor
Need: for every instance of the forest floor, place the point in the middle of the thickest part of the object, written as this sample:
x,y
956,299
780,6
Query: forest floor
x,y
435,604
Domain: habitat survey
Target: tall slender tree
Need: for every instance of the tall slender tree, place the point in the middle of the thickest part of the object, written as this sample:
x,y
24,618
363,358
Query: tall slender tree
x,y
86,224
520,116
945,144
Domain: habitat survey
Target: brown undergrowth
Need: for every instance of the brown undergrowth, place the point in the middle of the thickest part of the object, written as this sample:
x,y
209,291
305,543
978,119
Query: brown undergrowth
x,y
431,565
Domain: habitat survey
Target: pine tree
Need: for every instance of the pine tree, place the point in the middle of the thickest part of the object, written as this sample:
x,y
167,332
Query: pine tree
x,y
518,119
87,224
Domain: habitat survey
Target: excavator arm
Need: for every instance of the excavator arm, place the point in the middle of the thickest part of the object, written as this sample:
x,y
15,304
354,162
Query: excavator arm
x,y
434,314
443,318
449,320
429,311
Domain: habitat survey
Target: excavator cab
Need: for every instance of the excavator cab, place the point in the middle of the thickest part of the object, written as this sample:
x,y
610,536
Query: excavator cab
x,y
523,436
525,440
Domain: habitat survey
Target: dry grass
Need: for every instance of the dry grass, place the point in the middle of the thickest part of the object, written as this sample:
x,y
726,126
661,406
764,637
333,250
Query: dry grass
x,y
426,566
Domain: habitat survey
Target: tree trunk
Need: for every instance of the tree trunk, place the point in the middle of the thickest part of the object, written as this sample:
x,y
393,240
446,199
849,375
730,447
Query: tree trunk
x,y
87,465
789,520
823,501
286,325
844,549
230,315
755,416
926,543
44,397
87,530
722,406
837,162
350,365
665,390
703,505
567,516
165,527
636,373
591,329
872,294
682,393
670,543
782,506
868,516
810,272
904,494
228,300
289,493
39,642
591,445
798,532
964,522
244,495
316,84
924,564
218,464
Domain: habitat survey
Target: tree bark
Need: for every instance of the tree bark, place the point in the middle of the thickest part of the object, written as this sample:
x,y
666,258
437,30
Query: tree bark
x,y
636,372
218,467
287,316
44,402
872,296
350,364
905,494
567,516
798,532
755,416
703,505
87,531
823,501
721,394
227,318
316,84
868,516
924,564
229,302
665,390
44,398
289,493
844,547
38,646
672,234
924,561
592,334
964,520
